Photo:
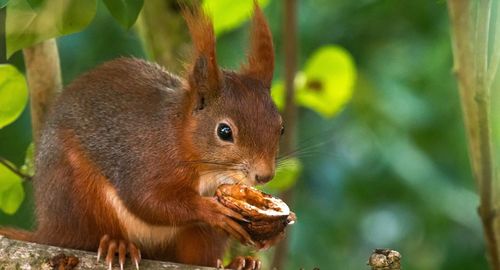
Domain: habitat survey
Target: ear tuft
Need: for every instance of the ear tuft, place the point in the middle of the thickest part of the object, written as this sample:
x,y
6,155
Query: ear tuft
x,y
204,73
260,63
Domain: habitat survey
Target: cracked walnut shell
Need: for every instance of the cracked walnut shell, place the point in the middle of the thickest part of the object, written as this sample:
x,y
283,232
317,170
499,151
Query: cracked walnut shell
x,y
268,216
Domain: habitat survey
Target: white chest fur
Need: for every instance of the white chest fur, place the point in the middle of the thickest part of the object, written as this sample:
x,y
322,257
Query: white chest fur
x,y
138,231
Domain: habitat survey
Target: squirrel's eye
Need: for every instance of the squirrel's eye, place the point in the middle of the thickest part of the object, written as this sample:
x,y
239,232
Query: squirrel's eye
x,y
282,131
224,132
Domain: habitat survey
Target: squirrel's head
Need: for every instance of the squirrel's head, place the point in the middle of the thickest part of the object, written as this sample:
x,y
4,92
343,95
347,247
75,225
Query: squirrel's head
x,y
233,127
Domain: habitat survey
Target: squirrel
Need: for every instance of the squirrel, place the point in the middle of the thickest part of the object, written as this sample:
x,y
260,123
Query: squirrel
x,y
130,154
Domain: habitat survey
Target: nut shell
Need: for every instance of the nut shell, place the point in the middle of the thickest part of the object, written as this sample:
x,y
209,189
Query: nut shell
x,y
268,216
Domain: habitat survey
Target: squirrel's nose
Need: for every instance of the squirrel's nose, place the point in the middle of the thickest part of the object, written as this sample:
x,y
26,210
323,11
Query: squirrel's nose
x,y
263,171
262,179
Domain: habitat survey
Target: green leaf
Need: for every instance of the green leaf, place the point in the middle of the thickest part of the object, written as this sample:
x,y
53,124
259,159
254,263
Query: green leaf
x,y
13,94
11,190
229,14
3,3
124,11
278,94
29,161
326,84
286,176
35,4
26,26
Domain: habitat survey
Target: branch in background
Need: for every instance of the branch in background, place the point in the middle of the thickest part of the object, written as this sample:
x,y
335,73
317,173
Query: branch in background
x,y
495,55
44,80
160,26
18,254
9,166
290,111
470,23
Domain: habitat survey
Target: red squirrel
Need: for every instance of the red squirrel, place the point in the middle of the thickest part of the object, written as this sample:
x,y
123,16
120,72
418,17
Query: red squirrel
x,y
131,154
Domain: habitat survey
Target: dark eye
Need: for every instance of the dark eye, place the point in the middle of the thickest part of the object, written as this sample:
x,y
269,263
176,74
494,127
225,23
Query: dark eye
x,y
224,132
282,131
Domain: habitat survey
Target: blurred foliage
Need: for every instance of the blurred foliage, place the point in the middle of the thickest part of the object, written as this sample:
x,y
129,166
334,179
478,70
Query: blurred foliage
x,y
287,173
124,11
28,168
32,21
13,94
326,83
3,3
11,190
29,22
13,99
391,170
229,14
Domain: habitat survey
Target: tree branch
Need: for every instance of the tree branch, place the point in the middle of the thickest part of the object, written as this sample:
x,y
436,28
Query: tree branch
x,y
44,80
9,166
290,110
24,255
470,21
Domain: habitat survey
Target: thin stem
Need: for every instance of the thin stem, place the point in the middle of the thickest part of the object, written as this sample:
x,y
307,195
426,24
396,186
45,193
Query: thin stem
x,y
9,166
290,111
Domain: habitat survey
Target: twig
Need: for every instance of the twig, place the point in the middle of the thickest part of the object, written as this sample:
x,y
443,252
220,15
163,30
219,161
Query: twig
x,y
9,166
290,110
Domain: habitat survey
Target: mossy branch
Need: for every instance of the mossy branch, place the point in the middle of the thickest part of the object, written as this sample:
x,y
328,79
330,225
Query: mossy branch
x,y
475,68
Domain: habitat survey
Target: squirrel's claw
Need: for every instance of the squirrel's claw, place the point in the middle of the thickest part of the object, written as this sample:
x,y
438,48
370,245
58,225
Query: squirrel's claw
x,y
244,263
216,214
111,246
135,254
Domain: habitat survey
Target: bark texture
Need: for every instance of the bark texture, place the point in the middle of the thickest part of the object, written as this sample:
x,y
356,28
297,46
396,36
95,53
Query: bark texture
x,y
16,255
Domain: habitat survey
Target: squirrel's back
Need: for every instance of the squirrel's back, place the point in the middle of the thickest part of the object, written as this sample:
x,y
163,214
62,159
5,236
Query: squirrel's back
x,y
117,112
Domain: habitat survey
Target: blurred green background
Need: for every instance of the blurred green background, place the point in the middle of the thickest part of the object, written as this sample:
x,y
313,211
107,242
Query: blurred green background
x,y
389,170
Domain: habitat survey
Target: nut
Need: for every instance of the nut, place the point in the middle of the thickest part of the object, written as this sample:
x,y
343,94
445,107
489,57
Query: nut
x,y
268,216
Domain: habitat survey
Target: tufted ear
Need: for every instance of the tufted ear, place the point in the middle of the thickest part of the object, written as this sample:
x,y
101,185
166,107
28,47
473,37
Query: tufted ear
x,y
260,63
203,74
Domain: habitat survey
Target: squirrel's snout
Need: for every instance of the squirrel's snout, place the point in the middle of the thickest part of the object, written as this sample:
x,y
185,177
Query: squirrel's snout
x,y
263,172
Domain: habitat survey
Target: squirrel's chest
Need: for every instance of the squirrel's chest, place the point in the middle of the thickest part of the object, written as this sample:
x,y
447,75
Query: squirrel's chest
x,y
137,231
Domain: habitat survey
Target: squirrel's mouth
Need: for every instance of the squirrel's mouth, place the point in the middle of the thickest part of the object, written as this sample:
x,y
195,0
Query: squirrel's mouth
x,y
209,181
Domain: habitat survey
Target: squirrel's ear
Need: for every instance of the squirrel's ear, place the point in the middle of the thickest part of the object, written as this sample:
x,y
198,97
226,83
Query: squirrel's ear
x,y
203,73
260,63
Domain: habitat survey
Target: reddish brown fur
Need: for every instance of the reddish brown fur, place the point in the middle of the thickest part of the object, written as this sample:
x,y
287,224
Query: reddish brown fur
x,y
85,194
261,54
130,130
16,234
203,36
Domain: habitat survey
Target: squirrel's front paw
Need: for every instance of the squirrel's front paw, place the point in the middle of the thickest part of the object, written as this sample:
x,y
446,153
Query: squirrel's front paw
x,y
217,215
241,263
110,246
